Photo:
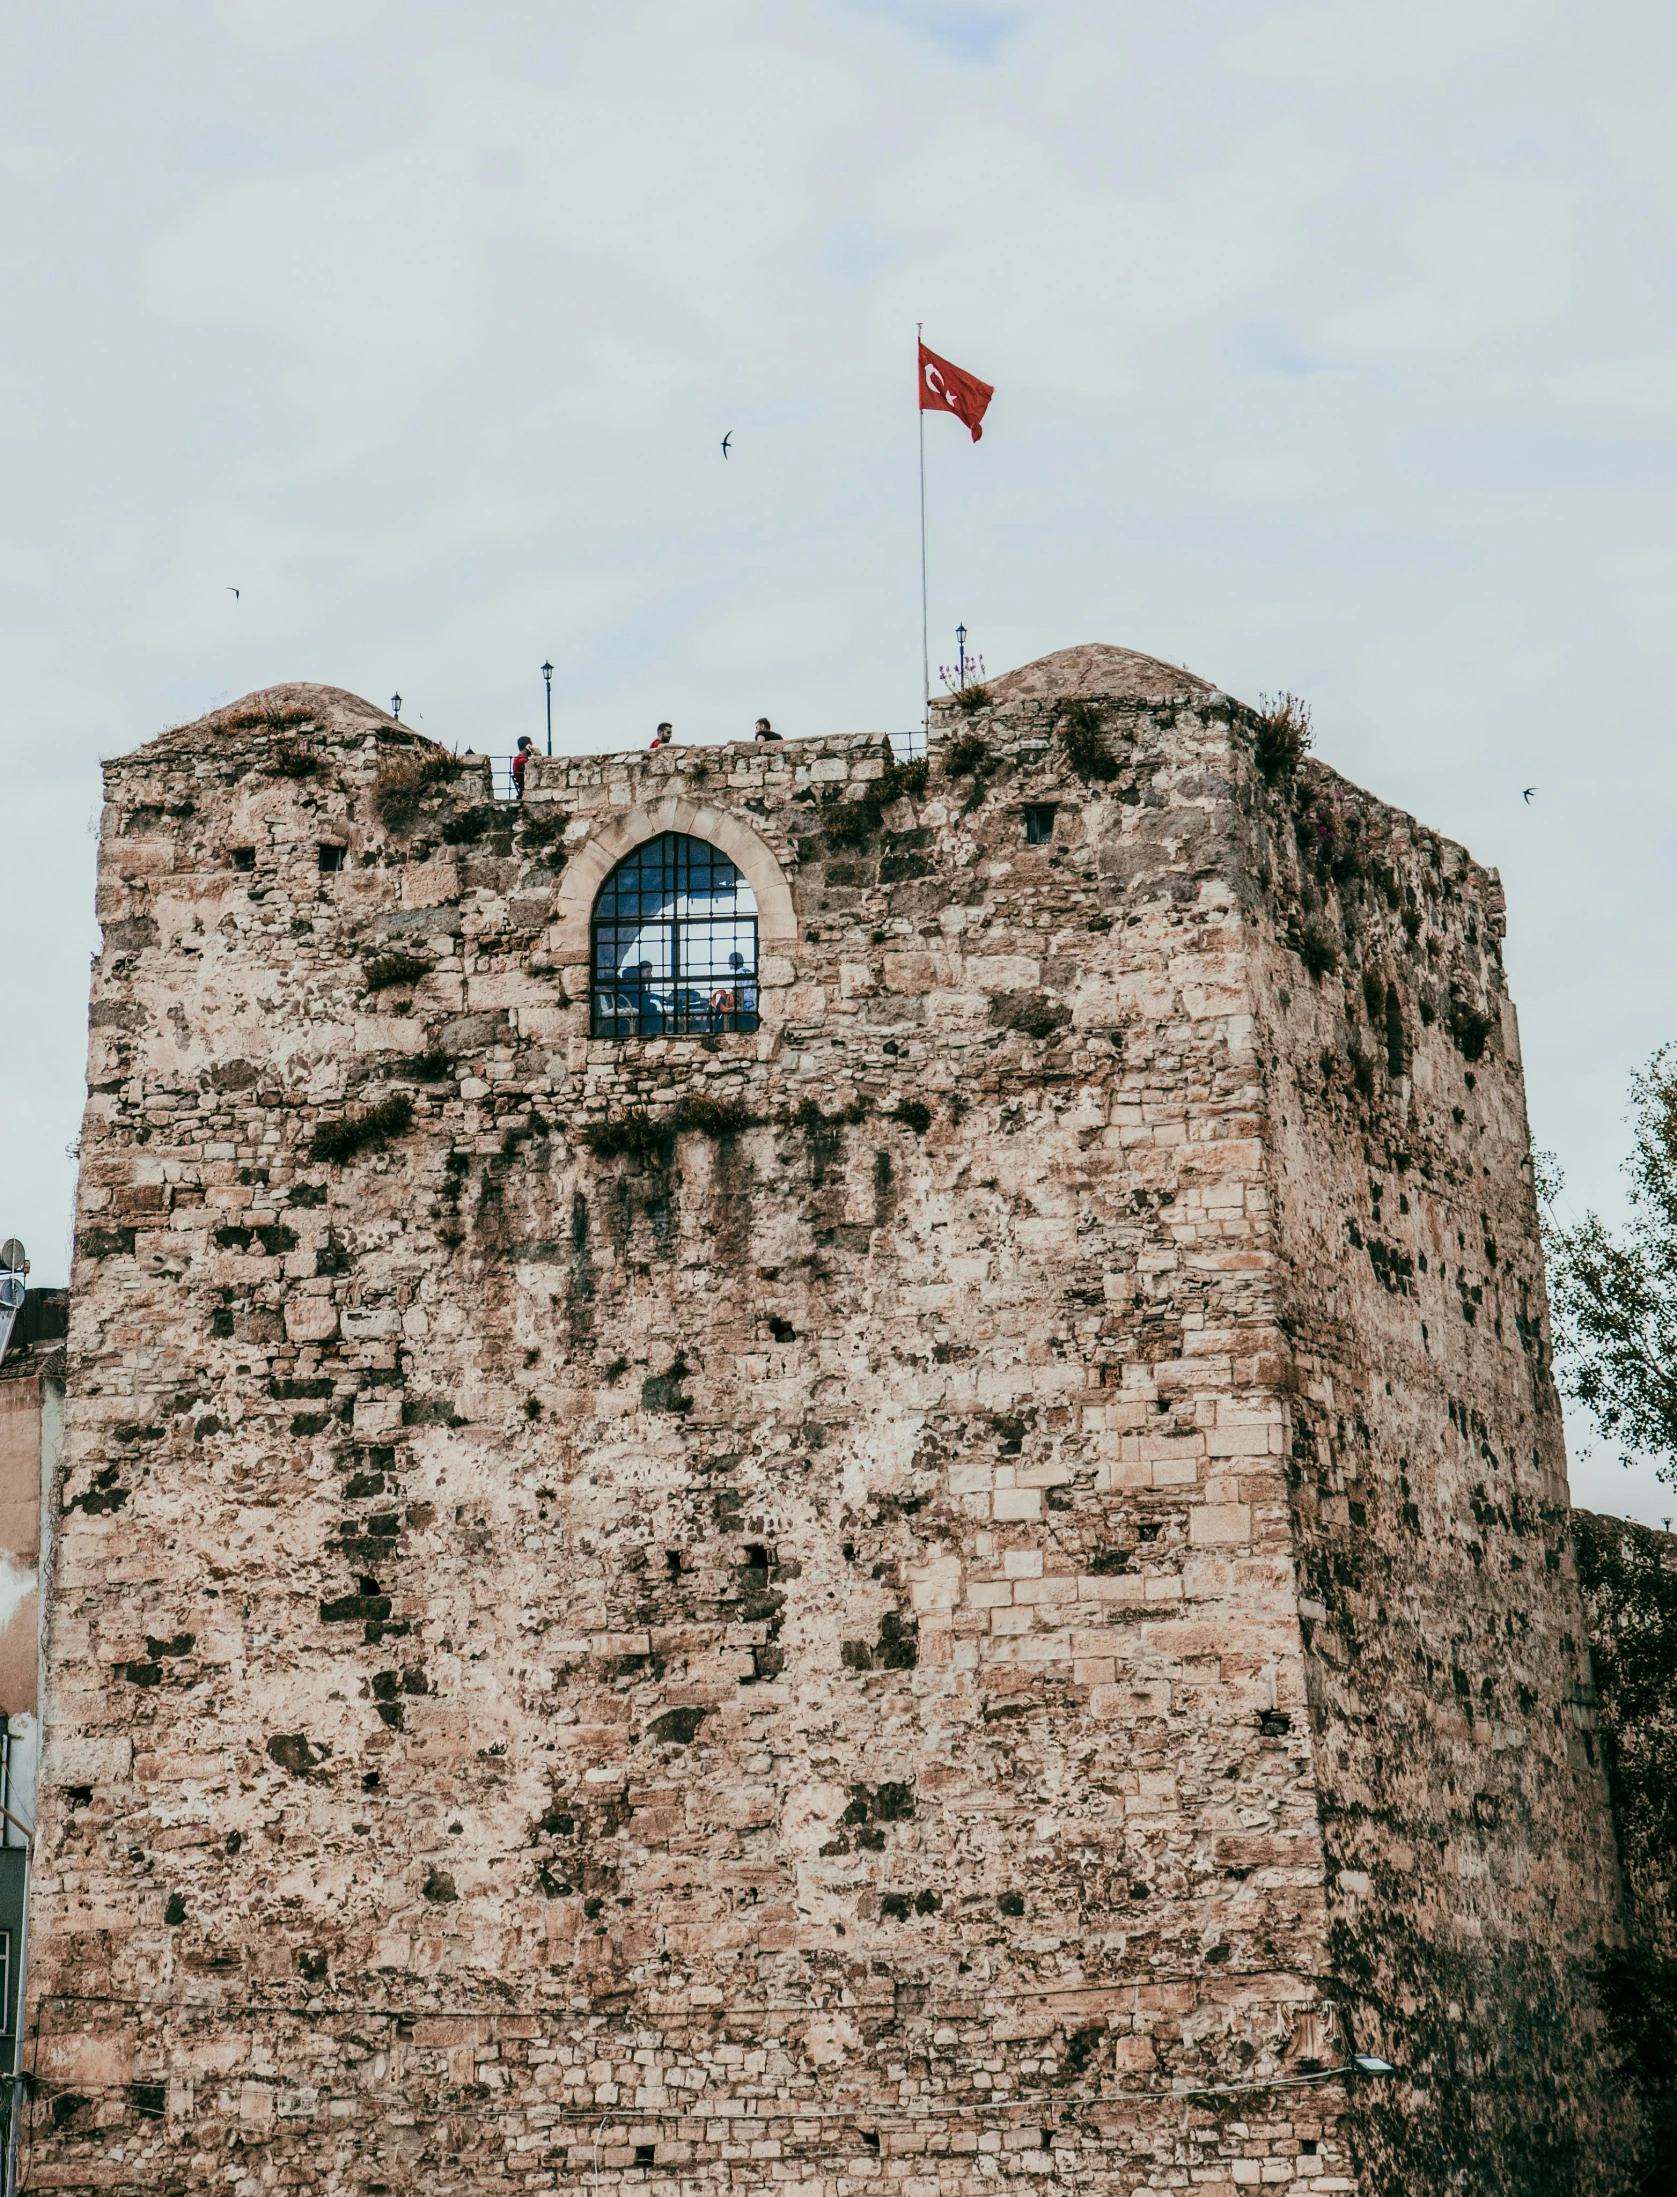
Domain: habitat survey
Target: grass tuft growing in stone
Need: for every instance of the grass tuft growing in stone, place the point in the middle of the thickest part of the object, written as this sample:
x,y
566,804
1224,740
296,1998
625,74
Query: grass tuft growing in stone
x,y
643,1136
259,716
340,1141
402,785
1282,735
632,1136
812,1120
1083,739
290,761
1469,1029
709,1117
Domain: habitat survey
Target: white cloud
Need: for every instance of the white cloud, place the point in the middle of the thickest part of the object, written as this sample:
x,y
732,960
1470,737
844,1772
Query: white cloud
x,y
1489,257
1643,584
358,279
287,25
1267,476
1647,384
1641,132
1074,297
1356,43
775,631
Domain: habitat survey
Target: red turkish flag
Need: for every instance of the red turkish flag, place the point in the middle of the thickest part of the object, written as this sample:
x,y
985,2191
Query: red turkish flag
x,y
945,388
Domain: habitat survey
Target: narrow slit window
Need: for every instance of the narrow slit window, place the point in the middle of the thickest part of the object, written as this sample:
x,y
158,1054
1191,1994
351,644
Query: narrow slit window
x,y
1039,825
674,944
332,858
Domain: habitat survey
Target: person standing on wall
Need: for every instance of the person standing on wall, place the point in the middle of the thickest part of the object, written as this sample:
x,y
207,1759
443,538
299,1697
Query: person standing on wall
x,y
766,731
663,737
520,762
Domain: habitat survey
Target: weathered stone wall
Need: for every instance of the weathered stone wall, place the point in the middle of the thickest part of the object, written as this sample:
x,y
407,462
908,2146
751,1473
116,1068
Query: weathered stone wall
x,y
762,1645
1472,1875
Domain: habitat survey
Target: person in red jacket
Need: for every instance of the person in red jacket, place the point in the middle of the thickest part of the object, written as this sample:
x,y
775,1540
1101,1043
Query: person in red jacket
x,y
526,748
663,736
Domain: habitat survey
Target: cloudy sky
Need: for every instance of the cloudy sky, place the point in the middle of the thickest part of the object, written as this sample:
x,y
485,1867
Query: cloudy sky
x,y
1335,350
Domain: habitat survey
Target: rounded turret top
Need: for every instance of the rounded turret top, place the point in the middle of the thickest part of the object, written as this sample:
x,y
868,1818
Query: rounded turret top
x,y
1095,669
298,707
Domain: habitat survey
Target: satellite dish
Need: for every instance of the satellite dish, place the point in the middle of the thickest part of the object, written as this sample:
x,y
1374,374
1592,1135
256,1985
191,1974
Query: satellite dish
x,y
12,1255
12,1292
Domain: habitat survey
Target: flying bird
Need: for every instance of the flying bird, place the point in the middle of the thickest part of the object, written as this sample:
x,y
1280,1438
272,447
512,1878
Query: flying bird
x,y
726,440
1526,796
233,591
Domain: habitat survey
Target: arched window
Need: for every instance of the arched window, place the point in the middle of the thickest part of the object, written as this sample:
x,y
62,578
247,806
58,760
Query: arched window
x,y
675,943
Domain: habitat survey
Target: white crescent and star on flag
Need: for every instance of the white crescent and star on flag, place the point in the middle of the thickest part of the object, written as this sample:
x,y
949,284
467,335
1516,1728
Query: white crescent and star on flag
x,y
945,387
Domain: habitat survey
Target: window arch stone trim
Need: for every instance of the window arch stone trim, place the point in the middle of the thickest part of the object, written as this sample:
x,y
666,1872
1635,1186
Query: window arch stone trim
x,y
620,835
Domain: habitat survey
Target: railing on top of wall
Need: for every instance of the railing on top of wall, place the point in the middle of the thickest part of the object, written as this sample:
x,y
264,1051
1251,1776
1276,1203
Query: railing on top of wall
x,y
906,747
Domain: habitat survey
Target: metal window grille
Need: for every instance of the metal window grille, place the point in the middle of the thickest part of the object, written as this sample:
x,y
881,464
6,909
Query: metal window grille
x,y
675,943
1039,826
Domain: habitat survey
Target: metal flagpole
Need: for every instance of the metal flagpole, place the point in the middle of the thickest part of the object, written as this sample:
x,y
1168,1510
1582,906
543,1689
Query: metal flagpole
x,y
925,629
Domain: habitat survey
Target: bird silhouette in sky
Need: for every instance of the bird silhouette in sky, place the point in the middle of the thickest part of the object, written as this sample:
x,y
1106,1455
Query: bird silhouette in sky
x,y
726,440
233,591
1526,796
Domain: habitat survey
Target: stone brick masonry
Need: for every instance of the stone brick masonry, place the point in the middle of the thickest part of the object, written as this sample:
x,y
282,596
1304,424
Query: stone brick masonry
x,y
973,1584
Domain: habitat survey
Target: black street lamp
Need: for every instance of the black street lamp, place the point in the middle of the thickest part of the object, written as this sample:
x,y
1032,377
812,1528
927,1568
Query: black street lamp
x,y
547,674
396,707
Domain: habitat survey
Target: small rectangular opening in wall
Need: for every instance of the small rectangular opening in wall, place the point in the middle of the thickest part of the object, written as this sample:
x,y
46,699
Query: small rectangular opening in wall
x,y
244,858
1039,824
331,858
646,2154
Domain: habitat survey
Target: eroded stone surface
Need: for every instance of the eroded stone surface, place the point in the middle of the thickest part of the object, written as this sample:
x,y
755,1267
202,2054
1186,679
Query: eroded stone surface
x,y
908,1641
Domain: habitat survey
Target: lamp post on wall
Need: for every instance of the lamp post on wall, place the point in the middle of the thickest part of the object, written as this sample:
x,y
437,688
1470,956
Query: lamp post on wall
x,y
961,654
396,707
547,676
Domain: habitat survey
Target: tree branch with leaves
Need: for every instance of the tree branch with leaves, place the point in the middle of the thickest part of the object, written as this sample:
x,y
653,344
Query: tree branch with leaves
x,y
1613,1297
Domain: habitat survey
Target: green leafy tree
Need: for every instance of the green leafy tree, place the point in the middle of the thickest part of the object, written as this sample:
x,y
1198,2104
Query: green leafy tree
x,y
1613,1298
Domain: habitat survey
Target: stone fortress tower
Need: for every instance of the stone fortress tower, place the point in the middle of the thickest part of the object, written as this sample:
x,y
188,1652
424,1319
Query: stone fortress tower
x,y
790,1473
